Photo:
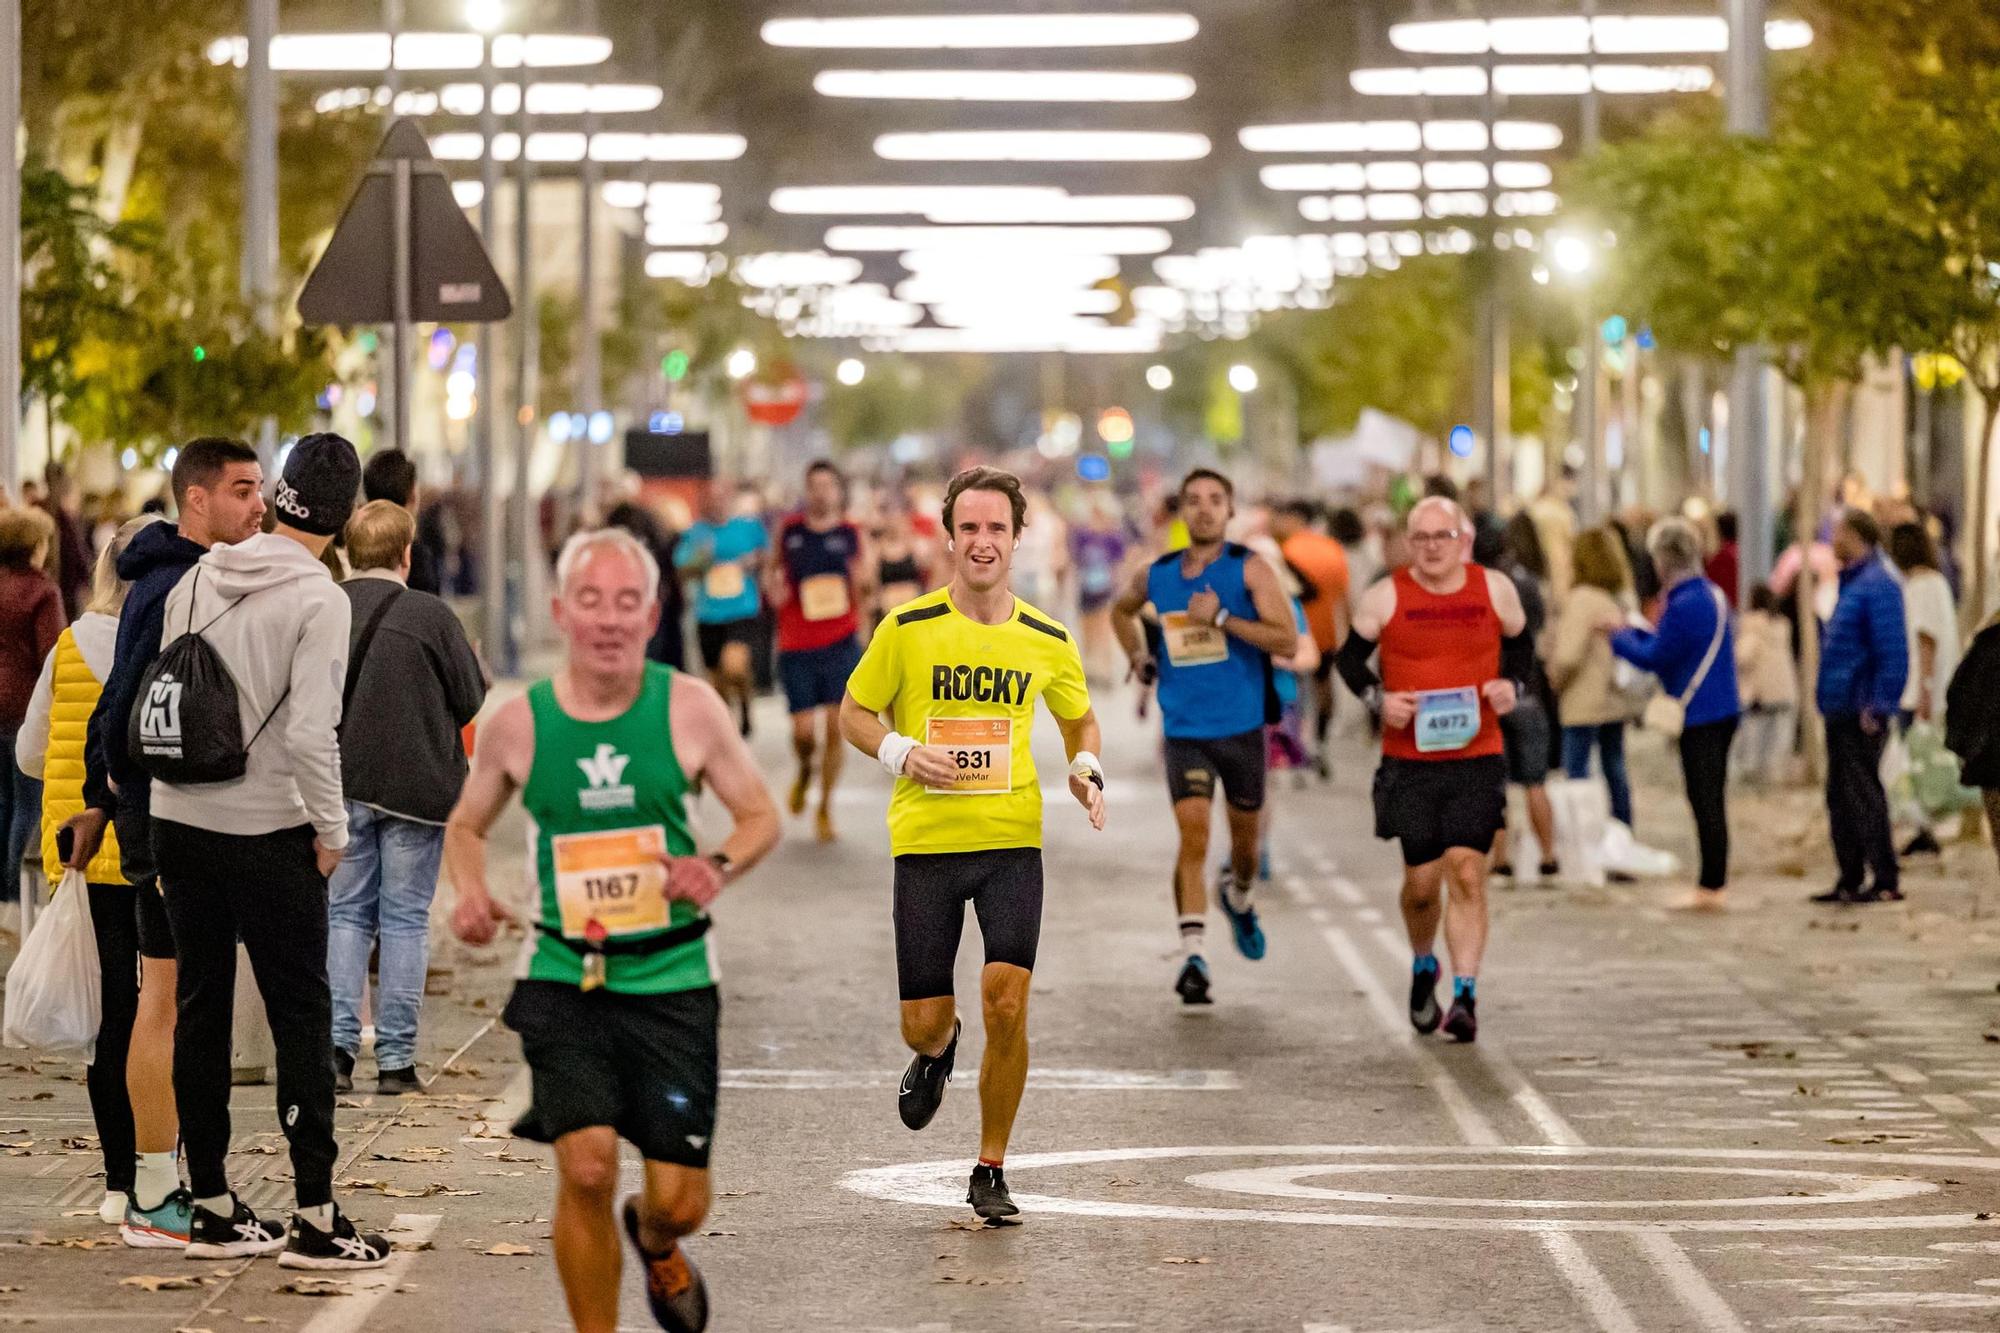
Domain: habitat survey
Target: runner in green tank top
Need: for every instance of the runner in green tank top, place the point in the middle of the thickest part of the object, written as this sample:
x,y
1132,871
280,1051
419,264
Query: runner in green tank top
x,y
615,1000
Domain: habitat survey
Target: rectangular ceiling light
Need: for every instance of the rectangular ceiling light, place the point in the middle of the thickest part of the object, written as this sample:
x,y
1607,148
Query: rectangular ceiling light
x,y
1086,240
1042,146
552,99
550,146
345,52
1522,175
972,32
959,265
1394,176
1004,85
1314,176
1335,136
1532,80
893,200
680,265
684,234
810,268
1136,339
1102,208
683,211
1608,34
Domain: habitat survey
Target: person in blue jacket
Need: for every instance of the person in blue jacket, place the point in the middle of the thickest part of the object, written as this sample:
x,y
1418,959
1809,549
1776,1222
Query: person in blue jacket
x,y
1864,663
1693,652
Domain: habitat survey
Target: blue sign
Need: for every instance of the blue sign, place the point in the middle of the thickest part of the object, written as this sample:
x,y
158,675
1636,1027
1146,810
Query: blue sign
x,y
1646,340
1615,330
1093,467
1462,440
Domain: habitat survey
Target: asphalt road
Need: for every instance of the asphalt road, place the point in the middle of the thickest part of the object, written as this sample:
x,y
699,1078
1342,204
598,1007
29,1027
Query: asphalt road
x,y
1785,1118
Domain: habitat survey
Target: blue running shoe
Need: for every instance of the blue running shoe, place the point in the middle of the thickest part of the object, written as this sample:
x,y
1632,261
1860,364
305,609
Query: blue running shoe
x,y
162,1228
1249,934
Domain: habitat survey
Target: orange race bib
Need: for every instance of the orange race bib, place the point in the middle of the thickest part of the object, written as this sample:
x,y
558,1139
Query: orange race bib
x,y
981,750
613,878
1191,643
824,597
724,582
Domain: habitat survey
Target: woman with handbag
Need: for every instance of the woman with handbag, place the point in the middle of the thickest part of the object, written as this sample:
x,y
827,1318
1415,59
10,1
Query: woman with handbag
x,y
130,1077
1693,654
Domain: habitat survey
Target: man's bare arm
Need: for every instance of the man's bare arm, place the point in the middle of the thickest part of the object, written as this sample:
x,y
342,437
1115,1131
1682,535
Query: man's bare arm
x,y
1083,736
1506,603
705,730
1125,617
1274,630
500,761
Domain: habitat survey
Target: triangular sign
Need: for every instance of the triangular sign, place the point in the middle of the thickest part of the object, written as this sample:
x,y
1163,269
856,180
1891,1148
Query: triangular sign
x,y
452,279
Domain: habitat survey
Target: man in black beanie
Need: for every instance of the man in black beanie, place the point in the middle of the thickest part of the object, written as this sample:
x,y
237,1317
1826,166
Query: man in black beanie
x,y
250,857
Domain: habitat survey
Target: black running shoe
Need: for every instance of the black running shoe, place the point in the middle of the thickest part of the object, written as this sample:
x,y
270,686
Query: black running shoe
x,y
1462,1023
673,1284
240,1234
343,1247
343,1071
988,1194
922,1090
1879,894
1192,984
1840,893
396,1082
1424,1012
1924,844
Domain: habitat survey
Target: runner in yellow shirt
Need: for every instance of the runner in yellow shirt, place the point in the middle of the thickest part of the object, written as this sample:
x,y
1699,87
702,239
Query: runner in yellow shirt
x,y
957,673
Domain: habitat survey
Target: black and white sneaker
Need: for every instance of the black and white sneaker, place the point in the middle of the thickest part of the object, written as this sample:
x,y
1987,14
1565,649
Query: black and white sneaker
x,y
922,1089
343,1247
987,1193
343,1071
240,1234
1424,1012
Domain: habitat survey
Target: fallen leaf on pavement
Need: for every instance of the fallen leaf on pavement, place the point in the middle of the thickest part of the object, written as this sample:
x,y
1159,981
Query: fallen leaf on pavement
x,y
8,1291
718,1233
256,1319
507,1249
75,1242
1177,1260
1121,1184
960,1224
314,1286
156,1282
977,1280
412,1245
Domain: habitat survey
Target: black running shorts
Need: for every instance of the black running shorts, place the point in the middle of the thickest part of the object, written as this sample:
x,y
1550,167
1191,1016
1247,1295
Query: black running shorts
x,y
1194,768
646,1065
1434,805
714,638
932,889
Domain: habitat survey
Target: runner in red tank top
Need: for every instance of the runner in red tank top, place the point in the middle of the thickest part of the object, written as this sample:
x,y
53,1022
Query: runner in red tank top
x,y
1453,643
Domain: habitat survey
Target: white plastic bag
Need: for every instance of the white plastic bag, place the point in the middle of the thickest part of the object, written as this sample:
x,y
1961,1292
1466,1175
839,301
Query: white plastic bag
x,y
1626,855
55,997
1582,808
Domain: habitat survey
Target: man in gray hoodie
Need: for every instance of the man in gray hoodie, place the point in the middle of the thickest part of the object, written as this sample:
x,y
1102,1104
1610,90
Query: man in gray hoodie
x,y
249,858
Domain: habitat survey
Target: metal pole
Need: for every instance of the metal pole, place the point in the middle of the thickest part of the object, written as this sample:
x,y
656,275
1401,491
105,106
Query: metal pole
x,y
400,279
259,269
526,319
1749,407
492,517
1495,390
1590,502
589,372
390,387
10,248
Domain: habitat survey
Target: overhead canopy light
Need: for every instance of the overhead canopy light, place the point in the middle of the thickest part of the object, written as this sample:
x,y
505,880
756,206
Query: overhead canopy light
x,y
1100,208
1401,136
972,32
813,268
686,233
1086,240
1314,176
690,199
1074,336
680,265
345,52
975,308
962,266
1569,34
1532,80
981,203
552,99
468,193
551,146
1042,146
1005,85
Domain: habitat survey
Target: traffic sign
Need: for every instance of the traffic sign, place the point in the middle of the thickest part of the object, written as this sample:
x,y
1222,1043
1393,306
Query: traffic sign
x,y
775,404
451,277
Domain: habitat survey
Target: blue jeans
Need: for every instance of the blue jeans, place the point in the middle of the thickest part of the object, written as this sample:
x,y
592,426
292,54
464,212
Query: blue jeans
x,y
383,885
1609,742
20,816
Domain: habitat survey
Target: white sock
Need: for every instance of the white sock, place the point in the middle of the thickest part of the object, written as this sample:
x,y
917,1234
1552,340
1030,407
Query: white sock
x,y
158,1175
112,1210
1235,893
222,1205
1194,936
321,1216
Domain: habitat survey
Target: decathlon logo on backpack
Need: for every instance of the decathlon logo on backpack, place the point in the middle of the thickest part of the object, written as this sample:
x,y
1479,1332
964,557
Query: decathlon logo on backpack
x,y
604,771
160,717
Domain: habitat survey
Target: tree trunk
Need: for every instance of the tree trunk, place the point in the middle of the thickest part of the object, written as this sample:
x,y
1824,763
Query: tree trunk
x,y
1973,612
1823,405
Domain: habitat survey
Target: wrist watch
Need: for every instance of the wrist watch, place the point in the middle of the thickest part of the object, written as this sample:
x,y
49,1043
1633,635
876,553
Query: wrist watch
x,y
723,865
1221,616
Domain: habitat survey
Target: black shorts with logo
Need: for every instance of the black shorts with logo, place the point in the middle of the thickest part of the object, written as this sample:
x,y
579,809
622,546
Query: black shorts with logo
x,y
646,1065
1195,766
1434,805
1004,887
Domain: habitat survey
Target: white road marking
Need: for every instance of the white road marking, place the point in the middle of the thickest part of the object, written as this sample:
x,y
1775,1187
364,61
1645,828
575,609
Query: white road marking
x,y
349,1313
1346,890
1902,1074
1588,1282
1061,1080
1694,1291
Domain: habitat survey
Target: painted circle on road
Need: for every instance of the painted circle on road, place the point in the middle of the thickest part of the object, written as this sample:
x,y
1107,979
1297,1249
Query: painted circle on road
x,y
1855,1180
1283,1182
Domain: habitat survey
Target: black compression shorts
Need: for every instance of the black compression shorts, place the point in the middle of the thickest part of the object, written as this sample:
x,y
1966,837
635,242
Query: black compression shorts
x,y
1005,889
1194,767
645,1065
1434,805
714,638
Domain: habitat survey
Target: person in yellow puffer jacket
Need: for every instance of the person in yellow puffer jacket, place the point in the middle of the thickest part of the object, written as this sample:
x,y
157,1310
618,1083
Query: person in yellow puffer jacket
x,y
131,1075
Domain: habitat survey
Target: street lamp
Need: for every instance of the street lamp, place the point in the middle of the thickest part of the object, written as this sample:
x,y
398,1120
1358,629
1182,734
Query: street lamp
x,y
1574,256
1571,253
1159,378
1243,378
484,15
741,363
850,372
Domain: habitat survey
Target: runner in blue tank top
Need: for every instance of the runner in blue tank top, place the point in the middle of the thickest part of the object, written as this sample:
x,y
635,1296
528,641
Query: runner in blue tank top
x,y
1221,615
